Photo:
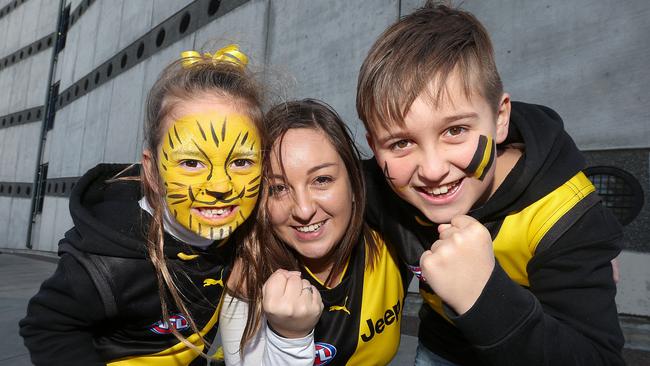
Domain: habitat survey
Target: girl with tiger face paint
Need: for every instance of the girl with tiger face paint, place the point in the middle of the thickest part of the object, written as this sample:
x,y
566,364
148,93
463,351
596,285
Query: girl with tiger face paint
x,y
157,241
202,167
210,165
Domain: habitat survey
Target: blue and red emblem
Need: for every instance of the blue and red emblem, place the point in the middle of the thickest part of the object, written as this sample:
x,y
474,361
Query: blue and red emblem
x,y
325,353
178,321
417,271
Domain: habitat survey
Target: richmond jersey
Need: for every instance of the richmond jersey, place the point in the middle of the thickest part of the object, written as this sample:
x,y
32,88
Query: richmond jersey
x,y
360,323
102,305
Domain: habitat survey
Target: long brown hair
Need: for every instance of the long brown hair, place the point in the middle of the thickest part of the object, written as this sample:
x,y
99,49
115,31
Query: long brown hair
x,y
268,253
177,84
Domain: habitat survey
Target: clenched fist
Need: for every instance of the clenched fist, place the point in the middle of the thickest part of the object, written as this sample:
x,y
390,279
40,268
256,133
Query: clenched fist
x,y
291,304
460,263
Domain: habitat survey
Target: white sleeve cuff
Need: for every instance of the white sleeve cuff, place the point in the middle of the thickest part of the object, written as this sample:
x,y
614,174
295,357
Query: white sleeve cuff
x,y
288,351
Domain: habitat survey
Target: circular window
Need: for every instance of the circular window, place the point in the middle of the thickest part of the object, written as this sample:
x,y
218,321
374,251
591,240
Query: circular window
x,y
160,38
140,50
213,7
621,191
185,22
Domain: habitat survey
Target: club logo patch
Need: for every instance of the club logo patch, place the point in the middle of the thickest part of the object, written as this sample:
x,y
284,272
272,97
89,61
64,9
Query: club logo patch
x,y
325,353
417,271
177,321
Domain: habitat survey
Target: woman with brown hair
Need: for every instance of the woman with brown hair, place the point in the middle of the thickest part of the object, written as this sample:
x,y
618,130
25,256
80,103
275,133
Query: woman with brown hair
x,y
311,225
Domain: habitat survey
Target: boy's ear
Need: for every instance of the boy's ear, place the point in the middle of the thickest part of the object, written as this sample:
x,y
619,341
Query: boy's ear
x,y
503,118
148,169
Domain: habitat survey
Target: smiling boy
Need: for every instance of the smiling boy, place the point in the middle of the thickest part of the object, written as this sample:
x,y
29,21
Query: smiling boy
x,y
486,202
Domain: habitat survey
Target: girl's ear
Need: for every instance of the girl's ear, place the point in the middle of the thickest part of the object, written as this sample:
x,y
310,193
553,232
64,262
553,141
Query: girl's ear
x,y
150,176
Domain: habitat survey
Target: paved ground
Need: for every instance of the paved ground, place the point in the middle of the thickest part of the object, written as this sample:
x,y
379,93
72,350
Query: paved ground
x,y
22,274
20,278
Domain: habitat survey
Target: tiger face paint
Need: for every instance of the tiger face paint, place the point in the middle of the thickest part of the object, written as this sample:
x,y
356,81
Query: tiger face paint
x,y
210,164
483,158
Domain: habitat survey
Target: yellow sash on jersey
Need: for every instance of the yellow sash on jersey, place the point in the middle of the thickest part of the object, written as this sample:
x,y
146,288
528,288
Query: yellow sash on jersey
x,y
381,307
177,355
522,231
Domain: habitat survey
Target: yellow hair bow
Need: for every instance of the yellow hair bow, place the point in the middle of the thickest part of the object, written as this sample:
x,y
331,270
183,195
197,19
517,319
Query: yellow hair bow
x,y
230,53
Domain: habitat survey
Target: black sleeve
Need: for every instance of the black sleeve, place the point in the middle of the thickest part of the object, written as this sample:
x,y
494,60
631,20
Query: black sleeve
x,y
61,317
567,317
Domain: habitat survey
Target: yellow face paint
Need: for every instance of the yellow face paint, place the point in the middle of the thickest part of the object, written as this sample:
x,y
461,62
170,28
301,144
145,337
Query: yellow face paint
x,y
210,165
483,157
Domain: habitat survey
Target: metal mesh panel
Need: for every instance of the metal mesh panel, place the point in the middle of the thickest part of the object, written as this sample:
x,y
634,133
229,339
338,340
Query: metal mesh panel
x,y
620,191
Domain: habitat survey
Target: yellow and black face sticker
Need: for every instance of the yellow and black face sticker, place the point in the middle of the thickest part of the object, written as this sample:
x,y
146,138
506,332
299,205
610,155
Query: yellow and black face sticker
x,y
483,158
210,165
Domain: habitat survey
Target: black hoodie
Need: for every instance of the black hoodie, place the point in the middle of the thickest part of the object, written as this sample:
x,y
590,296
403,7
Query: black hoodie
x,y
561,310
69,323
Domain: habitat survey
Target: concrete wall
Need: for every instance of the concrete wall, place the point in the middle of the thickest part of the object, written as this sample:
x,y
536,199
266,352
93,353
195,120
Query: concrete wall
x,y
322,45
587,60
23,85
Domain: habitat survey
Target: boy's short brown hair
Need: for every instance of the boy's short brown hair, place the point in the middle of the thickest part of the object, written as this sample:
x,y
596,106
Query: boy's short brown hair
x,y
422,48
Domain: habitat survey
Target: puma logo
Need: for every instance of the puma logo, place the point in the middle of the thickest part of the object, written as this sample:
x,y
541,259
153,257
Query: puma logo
x,y
211,281
342,308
